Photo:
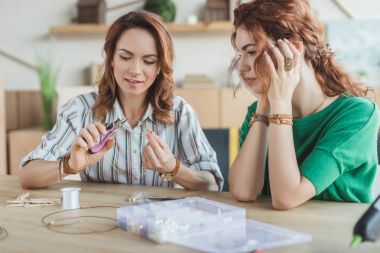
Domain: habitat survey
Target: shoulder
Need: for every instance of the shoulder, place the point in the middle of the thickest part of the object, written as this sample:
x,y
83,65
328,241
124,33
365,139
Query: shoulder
x,y
180,105
79,104
352,102
357,108
352,119
85,101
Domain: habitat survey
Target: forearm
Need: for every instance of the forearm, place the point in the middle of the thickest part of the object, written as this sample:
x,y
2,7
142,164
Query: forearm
x,y
192,179
283,169
284,173
39,173
246,176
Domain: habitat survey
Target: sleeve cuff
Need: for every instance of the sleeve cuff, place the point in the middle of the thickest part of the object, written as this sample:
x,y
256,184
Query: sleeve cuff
x,y
41,154
211,167
321,169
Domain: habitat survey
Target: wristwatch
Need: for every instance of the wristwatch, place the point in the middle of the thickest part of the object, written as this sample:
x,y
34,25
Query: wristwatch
x,y
169,176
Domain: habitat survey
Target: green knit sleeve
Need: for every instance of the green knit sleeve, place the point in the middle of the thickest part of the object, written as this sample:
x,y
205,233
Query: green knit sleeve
x,y
349,145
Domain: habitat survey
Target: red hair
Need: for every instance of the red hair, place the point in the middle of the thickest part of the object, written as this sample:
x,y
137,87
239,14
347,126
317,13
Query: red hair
x,y
160,94
293,20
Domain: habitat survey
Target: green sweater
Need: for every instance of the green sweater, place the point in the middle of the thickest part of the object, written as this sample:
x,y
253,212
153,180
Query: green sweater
x,y
336,149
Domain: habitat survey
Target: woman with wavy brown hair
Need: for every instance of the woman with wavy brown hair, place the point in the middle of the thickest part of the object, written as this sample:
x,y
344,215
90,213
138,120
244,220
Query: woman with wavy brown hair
x,y
312,132
159,140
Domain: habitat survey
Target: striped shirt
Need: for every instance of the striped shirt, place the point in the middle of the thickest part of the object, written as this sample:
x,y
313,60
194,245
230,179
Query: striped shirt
x,y
123,163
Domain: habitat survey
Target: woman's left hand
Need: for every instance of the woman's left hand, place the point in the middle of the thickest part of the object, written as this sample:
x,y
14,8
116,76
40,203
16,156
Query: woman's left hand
x,y
286,77
156,155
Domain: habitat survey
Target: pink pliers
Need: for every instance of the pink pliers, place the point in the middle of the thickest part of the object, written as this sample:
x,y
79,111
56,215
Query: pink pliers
x,y
112,129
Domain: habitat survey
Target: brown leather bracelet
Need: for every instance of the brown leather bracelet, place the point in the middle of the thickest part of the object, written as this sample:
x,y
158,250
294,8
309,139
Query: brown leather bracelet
x,y
66,167
258,117
60,170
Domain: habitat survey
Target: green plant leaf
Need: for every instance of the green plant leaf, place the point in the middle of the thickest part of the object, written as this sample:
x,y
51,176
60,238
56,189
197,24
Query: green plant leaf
x,y
165,8
47,73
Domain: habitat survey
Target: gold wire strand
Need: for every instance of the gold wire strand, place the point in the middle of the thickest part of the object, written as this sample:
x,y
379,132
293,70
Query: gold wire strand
x,y
3,233
51,224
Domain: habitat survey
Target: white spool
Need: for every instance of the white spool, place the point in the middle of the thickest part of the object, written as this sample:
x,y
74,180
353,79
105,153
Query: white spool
x,y
70,198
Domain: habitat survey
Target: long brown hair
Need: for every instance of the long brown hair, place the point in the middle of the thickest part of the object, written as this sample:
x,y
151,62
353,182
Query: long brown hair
x,y
160,94
293,20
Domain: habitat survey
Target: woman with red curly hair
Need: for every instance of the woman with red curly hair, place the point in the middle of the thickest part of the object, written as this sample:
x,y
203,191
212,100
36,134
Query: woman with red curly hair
x,y
312,132
160,141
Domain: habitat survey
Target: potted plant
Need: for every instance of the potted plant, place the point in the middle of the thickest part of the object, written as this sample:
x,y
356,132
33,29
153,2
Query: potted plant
x,y
47,75
165,8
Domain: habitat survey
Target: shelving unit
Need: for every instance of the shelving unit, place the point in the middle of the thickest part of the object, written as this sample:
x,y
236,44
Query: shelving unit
x,y
96,29
3,138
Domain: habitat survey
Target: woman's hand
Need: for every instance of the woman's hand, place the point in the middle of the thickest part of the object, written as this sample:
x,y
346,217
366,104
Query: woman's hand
x,y
156,155
88,137
286,77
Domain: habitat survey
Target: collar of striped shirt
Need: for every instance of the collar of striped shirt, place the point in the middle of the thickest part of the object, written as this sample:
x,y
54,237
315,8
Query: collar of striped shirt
x,y
117,113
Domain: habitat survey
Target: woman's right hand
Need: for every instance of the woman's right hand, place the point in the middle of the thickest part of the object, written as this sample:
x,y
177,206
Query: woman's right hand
x,y
88,137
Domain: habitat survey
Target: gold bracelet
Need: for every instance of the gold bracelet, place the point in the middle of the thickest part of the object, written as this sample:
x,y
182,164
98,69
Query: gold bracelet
x,y
281,119
258,117
169,176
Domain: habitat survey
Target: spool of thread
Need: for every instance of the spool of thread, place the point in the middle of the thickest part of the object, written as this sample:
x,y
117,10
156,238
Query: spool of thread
x,y
70,198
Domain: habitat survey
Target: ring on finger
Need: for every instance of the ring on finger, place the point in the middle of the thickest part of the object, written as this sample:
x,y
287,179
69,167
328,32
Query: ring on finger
x,y
289,63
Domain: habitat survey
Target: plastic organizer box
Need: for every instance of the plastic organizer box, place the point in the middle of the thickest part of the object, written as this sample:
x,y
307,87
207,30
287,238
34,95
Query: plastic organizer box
x,y
204,225
162,221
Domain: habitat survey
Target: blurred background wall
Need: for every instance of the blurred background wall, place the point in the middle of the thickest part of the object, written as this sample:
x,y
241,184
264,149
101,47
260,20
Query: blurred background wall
x,y
25,25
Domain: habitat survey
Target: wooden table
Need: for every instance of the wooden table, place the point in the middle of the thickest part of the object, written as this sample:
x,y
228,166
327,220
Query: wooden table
x,y
330,223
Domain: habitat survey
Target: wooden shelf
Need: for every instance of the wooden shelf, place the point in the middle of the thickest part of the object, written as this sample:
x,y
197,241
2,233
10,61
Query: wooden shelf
x,y
88,29
79,29
220,26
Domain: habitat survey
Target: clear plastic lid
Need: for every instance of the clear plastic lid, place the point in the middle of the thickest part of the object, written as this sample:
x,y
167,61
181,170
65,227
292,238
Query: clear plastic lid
x,y
204,225
244,237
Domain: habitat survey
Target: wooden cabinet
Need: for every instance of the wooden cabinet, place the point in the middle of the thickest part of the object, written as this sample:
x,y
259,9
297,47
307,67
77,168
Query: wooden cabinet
x,y
20,143
3,150
205,102
218,107
23,109
233,106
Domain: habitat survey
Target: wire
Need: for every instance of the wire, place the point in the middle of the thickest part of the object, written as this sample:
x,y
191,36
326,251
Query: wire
x,y
56,223
3,233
